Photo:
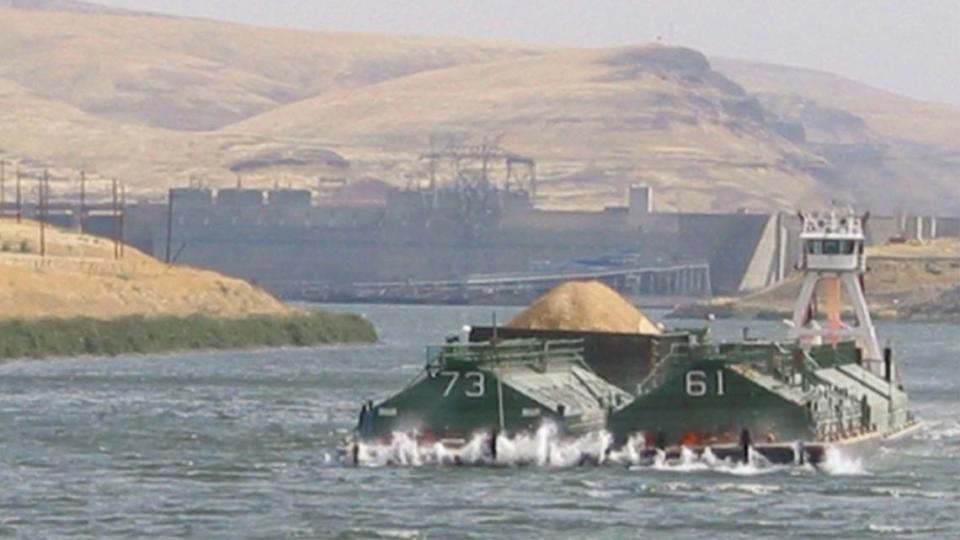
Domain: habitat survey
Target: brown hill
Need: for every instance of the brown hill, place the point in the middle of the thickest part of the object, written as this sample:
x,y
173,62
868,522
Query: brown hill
x,y
156,100
885,113
888,152
196,74
59,5
596,120
79,277
585,306
126,95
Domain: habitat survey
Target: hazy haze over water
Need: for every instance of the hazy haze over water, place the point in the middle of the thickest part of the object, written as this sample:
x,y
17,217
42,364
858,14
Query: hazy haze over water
x,y
903,46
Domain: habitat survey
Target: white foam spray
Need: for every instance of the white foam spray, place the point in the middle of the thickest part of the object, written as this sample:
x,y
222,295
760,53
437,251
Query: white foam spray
x,y
838,463
546,448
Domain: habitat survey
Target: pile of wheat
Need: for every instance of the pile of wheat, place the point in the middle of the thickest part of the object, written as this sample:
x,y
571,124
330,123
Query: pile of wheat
x,y
584,306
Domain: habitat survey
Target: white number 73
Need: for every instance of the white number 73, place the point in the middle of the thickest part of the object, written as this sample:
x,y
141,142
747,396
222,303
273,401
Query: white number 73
x,y
454,377
476,378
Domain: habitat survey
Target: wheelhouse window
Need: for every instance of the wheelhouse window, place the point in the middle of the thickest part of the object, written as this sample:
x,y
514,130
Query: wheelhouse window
x,y
831,247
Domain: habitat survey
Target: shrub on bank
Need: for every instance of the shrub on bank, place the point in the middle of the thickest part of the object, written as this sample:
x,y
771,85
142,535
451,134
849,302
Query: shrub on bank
x,y
85,336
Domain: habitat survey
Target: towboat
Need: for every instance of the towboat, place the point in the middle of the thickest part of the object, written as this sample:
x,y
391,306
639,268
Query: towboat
x,y
828,386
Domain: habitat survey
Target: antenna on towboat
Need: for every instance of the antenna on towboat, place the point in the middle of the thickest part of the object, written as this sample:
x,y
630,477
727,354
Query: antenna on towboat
x,y
833,259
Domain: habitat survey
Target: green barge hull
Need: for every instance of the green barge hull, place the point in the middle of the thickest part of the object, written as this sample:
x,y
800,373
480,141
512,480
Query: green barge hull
x,y
498,387
783,402
829,385
787,403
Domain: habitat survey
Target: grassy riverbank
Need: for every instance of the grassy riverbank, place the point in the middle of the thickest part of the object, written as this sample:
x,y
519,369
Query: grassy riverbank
x,y
41,338
78,298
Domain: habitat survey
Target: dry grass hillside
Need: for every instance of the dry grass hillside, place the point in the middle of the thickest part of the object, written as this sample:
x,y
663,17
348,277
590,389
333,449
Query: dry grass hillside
x,y
886,113
79,277
139,97
596,121
195,74
888,151
58,5
155,101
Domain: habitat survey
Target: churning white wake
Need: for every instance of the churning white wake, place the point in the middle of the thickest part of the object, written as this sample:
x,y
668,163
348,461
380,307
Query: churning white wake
x,y
838,463
545,448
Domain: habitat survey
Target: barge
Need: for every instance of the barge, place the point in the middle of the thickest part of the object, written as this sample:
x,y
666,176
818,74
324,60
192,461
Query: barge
x,y
675,394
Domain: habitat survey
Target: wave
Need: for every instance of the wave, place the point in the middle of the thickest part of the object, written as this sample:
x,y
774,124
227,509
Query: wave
x,y
547,449
944,430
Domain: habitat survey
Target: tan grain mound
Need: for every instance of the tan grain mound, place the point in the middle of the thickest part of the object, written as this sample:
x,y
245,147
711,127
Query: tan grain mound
x,y
587,306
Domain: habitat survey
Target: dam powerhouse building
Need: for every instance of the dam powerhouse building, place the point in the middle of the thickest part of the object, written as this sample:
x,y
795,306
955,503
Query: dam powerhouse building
x,y
473,240
478,243
458,244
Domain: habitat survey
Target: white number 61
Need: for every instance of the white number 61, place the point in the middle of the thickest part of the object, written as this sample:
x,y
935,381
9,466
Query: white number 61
x,y
696,383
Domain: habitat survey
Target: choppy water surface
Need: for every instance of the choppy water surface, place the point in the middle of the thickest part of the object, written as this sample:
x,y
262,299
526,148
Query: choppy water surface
x,y
242,445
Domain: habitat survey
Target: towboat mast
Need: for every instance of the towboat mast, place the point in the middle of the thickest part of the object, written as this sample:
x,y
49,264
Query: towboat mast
x,y
833,258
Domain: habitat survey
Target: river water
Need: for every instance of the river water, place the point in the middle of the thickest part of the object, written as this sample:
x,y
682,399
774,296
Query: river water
x,y
243,445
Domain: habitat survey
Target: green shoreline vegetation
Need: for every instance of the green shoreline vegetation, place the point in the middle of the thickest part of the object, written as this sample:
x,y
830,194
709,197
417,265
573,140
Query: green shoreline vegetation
x,y
42,338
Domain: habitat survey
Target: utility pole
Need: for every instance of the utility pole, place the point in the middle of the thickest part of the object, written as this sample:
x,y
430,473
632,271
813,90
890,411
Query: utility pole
x,y
433,172
116,223
169,222
485,158
19,198
42,199
83,201
533,182
3,188
123,216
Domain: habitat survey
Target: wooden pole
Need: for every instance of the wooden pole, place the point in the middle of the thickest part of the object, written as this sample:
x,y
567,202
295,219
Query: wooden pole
x,y
123,216
169,223
83,201
485,158
116,228
533,183
42,200
19,198
3,188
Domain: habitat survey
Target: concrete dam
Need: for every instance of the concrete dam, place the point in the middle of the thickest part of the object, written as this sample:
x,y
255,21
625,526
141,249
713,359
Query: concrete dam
x,y
457,244
474,243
